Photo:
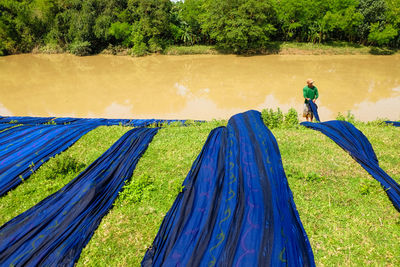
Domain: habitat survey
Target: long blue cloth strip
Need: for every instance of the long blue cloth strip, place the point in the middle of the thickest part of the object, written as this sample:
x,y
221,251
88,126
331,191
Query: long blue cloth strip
x,y
54,232
357,145
76,121
24,148
394,123
236,208
314,110
26,120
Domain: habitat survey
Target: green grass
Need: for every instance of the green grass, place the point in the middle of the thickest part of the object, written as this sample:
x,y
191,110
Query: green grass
x,y
348,217
190,50
289,48
334,48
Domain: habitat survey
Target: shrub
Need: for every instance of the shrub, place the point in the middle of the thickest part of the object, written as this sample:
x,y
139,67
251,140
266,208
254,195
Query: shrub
x,y
292,117
349,117
63,165
80,48
276,119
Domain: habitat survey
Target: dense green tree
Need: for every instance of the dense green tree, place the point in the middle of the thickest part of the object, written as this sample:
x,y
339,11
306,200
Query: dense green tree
x,y
190,21
239,25
151,19
373,11
342,20
20,25
393,18
84,27
381,35
294,18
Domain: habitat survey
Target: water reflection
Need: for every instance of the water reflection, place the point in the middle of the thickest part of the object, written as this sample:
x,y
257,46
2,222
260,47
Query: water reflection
x,y
4,111
196,87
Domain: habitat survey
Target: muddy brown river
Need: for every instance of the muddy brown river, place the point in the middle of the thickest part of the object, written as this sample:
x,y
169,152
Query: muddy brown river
x,y
196,87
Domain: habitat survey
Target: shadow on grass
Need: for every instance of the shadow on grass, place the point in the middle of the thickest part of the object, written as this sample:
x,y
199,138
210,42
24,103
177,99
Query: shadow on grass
x,y
382,51
343,44
272,48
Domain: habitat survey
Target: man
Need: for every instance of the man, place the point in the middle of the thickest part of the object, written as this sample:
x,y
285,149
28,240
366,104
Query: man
x,y
310,93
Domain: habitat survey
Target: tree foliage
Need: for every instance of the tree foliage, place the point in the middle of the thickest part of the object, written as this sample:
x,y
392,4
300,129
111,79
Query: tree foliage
x,y
144,26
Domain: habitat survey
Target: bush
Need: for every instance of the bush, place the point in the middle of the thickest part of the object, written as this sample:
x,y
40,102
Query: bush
x,y
139,46
80,48
292,117
381,35
63,165
276,119
122,32
349,117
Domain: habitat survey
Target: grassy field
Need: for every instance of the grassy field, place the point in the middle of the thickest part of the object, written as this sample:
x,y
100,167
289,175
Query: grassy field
x,y
348,217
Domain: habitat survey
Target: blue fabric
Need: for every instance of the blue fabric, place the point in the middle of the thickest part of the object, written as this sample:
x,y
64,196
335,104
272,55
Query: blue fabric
x,y
74,121
25,120
357,145
54,232
236,208
394,123
5,126
24,148
314,110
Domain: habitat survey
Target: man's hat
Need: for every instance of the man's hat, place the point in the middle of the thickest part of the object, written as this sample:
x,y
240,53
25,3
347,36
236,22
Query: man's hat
x,y
309,80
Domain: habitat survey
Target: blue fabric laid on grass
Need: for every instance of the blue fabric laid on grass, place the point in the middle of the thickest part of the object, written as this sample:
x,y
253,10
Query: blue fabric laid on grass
x,y
394,123
236,207
357,145
54,232
24,148
6,126
74,121
314,110
25,120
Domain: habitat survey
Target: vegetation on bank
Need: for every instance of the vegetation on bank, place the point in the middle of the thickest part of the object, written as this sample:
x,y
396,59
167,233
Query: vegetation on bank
x,y
348,217
151,26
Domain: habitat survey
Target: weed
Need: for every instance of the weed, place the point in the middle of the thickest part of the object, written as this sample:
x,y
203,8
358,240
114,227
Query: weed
x,y
133,192
276,119
349,117
62,165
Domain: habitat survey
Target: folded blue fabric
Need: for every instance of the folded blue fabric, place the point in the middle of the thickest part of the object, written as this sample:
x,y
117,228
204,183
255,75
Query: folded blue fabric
x,y
357,145
236,207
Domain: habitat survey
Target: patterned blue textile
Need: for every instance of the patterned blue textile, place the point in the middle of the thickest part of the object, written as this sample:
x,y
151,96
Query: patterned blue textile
x,y
24,148
314,110
357,145
236,208
394,123
54,232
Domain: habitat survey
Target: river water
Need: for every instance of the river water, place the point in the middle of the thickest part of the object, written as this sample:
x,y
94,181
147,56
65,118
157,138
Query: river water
x,y
196,87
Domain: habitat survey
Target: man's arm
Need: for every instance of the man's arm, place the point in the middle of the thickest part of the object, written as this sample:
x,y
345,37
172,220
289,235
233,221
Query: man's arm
x,y
316,94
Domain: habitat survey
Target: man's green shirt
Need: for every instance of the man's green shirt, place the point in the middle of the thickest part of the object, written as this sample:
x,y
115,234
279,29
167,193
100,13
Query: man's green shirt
x,y
311,93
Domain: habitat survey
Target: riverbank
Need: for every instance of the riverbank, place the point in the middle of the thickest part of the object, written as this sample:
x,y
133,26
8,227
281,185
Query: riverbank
x,y
274,48
348,217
